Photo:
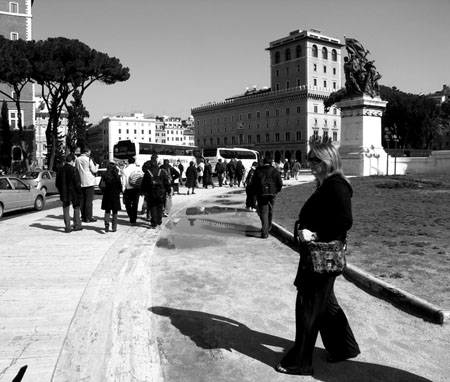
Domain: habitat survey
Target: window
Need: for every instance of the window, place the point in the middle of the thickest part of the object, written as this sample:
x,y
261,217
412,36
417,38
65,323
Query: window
x,y
218,141
277,137
315,81
314,51
325,53
316,109
298,82
287,54
299,135
249,115
14,36
258,138
324,69
217,120
315,67
267,137
277,112
277,57
277,86
225,141
334,71
14,7
249,139
225,119
14,119
298,68
277,73
334,85
325,135
240,117
267,114
120,131
288,84
233,140
287,71
298,51
287,111
324,83
258,115
288,136
299,109
335,136
334,55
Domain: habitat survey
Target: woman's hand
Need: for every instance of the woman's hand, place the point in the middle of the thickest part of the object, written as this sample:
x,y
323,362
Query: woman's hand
x,y
306,235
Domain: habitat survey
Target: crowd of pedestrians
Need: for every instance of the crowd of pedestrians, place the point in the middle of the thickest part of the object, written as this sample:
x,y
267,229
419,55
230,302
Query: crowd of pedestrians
x,y
157,183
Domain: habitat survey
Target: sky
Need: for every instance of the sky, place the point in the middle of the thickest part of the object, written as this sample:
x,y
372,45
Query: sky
x,y
185,53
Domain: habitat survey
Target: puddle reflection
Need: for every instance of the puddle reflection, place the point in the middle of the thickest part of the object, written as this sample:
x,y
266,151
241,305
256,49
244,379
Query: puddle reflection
x,y
213,209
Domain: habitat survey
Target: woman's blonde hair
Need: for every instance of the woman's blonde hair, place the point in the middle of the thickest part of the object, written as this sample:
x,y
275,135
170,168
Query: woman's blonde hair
x,y
329,155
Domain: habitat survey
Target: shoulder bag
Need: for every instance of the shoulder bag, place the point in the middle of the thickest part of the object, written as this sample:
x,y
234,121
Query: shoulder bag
x,y
326,258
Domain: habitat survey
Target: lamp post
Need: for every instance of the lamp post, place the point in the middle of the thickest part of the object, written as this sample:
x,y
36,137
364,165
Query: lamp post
x,y
387,138
390,134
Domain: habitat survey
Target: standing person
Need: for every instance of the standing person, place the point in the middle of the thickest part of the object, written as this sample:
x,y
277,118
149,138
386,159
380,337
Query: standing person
x,y
68,184
180,170
156,185
111,195
207,175
326,216
286,169
267,183
130,193
250,201
296,169
172,175
191,177
240,171
200,170
220,171
231,171
87,168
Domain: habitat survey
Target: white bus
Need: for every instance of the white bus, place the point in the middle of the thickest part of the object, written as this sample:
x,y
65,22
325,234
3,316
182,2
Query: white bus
x,y
247,156
143,152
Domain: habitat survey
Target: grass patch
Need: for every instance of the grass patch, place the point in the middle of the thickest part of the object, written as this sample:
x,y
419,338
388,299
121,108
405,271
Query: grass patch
x,y
400,230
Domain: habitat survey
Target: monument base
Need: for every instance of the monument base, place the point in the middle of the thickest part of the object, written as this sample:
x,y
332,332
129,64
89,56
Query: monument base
x,y
360,149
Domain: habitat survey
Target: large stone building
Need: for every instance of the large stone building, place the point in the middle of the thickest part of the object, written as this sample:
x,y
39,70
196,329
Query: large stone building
x,y
15,24
138,128
305,69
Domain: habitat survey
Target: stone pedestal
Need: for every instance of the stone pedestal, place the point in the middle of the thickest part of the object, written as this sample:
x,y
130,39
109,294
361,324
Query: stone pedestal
x,y
361,150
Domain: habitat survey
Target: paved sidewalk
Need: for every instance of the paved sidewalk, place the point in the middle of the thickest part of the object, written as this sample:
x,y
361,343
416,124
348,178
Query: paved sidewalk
x,y
202,299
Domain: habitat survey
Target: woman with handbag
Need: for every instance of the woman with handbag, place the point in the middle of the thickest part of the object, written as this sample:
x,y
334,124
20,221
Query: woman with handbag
x,y
111,186
325,217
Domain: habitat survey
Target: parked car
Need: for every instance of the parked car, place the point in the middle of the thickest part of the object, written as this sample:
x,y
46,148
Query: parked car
x,y
42,180
98,177
16,195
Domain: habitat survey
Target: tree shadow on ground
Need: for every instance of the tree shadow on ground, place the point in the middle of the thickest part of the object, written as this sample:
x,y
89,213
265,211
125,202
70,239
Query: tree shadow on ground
x,y
209,331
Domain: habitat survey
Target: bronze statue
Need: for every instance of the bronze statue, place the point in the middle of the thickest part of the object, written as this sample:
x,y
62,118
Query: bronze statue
x,y
361,76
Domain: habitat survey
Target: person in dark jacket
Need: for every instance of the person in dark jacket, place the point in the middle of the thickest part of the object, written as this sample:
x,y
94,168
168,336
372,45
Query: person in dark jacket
x,y
220,171
266,199
231,171
250,201
111,195
68,184
325,216
156,185
191,177
207,175
240,172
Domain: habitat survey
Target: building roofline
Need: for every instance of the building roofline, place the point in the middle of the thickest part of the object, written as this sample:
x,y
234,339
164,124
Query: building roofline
x,y
298,35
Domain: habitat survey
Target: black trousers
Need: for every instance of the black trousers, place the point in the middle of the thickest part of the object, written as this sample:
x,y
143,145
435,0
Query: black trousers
x,y
317,310
131,201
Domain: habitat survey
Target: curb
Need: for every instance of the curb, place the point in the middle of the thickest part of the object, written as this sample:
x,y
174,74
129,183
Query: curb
x,y
381,289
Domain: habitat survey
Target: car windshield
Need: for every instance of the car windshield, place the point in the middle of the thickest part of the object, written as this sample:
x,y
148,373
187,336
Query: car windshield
x,y
30,175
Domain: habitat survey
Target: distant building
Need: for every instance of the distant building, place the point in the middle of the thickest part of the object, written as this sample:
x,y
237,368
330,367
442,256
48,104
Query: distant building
x,y
135,127
15,24
442,142
305,69
40,127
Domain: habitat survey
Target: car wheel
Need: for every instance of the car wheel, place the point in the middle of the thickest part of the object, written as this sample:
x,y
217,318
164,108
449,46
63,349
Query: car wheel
x,y
1,210
39,203
44,190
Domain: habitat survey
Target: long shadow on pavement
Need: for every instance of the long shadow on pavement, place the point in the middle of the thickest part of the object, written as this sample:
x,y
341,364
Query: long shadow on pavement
x,y
209,331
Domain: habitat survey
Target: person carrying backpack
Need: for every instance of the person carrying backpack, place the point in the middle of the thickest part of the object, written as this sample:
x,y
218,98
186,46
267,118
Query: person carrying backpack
x,y
155,185
266,183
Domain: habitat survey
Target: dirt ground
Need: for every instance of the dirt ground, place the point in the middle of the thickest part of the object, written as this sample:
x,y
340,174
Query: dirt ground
x,y
400,233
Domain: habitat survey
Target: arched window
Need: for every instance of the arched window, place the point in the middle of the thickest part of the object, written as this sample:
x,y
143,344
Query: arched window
x,y
287,54
277,57
325,53
314,50
298,51
334,55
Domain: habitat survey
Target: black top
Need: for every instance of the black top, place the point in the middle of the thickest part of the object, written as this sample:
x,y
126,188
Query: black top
x,y
328,213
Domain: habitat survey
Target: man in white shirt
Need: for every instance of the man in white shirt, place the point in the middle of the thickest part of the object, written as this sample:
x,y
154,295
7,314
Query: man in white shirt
x,y
87,168
130,193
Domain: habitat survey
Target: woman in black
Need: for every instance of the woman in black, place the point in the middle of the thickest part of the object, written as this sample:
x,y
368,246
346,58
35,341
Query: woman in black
x,y
111,195
326,216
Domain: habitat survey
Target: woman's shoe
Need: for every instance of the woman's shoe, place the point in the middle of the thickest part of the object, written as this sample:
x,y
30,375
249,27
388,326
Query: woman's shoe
x,y
294,370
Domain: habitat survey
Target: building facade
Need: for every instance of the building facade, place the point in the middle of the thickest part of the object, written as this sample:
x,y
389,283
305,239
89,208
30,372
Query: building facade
x,y
15,24
305,69
40,127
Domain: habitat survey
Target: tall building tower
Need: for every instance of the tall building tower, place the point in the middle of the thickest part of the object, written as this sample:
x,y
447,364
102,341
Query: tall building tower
x,y
305,69
15,23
